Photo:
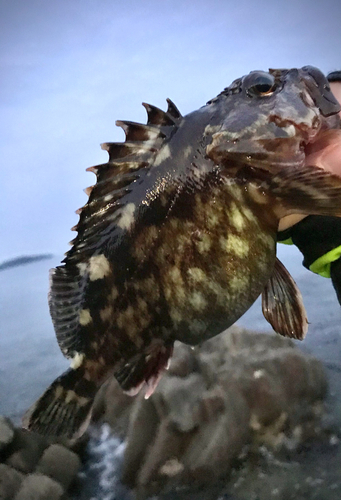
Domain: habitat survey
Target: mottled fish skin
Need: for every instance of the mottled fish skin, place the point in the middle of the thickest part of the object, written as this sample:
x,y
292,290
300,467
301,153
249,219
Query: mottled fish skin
x,y
178,237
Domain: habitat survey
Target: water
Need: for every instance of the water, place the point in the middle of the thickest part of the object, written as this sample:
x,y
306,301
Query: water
x,y
100,476
30,358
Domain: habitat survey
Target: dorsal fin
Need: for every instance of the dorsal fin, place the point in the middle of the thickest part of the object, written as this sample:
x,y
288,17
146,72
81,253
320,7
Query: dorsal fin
x,y
139,132
104,203
173,110
122,149
88,190
157,116
107,212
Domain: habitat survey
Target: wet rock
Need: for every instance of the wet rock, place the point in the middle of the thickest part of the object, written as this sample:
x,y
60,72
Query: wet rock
x,y
221,436
114,406
168,446
143,427
183,361
185,393
6,434
10,482
271,478
240,388
39,487
59,464
26,450
32,468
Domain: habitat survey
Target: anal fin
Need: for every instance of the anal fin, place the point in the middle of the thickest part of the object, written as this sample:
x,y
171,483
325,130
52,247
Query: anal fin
x,y
145,368
282,304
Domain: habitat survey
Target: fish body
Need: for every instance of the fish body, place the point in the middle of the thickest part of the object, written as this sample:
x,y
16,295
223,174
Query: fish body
x,y
178,237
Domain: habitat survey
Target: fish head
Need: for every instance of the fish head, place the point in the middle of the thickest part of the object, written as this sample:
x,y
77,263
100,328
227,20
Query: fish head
x,y
271,118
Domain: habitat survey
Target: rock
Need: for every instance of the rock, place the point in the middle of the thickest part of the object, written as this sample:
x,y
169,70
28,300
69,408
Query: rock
x,y
285,480
59,464
6,434
220,438
236,339
142,431
183,361
174,393
239,388
26,450
10,481
114,405
168,445
39,487
34,468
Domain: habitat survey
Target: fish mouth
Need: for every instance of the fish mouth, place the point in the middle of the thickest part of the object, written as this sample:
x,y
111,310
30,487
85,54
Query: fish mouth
x,y
319,143
290,144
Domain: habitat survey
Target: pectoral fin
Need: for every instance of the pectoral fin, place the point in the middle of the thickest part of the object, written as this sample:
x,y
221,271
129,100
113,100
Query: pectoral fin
x,y
308,190
282,304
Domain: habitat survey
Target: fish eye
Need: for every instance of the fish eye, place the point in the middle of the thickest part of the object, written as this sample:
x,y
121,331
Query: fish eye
x,y
259,84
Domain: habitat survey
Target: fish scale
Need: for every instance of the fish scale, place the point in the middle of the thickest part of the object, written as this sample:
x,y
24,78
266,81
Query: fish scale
x,y
178,237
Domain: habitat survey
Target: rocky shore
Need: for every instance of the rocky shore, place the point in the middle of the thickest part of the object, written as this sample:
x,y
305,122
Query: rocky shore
x,y
215,408
33,467
217,415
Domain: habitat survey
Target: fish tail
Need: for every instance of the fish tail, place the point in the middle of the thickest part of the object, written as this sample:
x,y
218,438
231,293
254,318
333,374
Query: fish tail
x,y
65,407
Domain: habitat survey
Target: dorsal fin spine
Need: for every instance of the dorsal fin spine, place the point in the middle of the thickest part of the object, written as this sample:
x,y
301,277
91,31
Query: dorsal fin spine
x,y
115,178
157,116
116,167
118,150
92,169
88,190
138,132
172,109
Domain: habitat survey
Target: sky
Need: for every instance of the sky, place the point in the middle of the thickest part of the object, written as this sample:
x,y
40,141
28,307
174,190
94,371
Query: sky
x,y
70,68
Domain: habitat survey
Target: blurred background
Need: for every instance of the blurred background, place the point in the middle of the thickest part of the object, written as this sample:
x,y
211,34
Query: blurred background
x,y
68,70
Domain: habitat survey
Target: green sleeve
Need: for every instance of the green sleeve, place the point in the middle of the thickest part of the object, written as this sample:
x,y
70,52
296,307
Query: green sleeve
x,y
319,240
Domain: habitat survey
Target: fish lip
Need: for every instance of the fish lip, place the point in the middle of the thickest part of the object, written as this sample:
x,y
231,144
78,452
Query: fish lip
x,y
308,133
305,134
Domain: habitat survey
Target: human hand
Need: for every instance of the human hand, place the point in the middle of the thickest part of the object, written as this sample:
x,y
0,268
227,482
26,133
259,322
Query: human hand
x,y
324,153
